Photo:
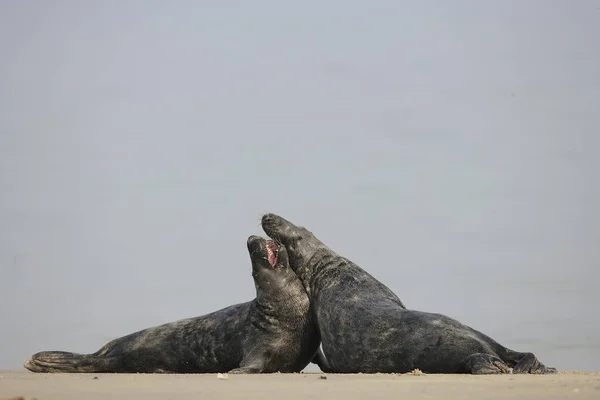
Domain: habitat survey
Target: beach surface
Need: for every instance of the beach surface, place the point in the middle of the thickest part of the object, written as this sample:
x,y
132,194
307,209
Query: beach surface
x,y
564,385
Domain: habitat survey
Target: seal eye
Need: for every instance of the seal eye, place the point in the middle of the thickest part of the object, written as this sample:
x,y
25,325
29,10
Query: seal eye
x,y
272,250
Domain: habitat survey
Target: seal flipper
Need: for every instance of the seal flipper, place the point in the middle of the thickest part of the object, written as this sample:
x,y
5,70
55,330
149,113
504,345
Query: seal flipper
x,y
523,363
257,366
255,362
484,364
246,370
322,362
529,364
62,361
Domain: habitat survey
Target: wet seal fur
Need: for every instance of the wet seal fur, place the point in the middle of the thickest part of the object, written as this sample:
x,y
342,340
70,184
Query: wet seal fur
x,y
272,333
364,327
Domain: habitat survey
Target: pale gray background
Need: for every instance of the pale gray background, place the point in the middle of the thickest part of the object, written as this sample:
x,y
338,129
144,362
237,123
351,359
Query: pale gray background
x,y
448,147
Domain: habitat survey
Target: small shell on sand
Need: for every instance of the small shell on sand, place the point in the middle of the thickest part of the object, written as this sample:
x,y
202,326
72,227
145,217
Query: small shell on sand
x,y
416,372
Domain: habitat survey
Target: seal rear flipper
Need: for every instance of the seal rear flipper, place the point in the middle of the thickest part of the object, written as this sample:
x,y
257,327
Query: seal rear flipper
x,y
529,364
62,361
523,363
484,364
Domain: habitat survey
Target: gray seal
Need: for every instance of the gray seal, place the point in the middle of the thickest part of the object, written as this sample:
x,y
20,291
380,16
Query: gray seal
x,y
272,333
364,327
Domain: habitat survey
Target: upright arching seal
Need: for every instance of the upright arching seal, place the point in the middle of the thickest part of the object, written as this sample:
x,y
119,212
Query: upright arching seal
x,y
272,333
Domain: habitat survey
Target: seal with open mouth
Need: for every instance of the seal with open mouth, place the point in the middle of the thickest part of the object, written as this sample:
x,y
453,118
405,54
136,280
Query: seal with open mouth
x,y
364,327
272,333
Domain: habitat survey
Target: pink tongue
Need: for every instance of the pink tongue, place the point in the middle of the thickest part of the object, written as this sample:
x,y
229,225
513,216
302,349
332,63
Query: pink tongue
x,y
272,258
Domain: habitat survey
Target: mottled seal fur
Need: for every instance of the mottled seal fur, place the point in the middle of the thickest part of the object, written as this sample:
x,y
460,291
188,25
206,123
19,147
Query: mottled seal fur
x,y
272,333
364,327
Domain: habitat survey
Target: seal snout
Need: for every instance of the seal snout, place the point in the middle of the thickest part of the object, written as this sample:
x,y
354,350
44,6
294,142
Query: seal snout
x,y
269,219
253,241
272,225
272,252
261,247
269,216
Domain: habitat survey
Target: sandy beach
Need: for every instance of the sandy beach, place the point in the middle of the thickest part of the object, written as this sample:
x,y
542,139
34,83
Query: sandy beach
x,y
564,385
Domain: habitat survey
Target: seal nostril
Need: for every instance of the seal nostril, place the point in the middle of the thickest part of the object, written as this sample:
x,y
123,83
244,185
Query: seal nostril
x,y
268,223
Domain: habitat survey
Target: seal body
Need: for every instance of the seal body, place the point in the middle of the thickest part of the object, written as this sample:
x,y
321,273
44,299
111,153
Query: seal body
x,y
272,333
364,327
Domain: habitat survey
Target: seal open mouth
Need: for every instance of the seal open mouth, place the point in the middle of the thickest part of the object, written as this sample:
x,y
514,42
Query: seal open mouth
x,y
272,250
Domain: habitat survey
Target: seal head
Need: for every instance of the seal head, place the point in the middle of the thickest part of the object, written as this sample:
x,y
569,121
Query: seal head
x,y
271,269
306,252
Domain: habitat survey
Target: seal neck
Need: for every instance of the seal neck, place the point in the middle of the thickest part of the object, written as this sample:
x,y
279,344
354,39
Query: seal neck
x,y
310,268
287,301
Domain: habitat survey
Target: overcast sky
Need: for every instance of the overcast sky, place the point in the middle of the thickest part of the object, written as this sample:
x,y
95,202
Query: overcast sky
x,y
450,148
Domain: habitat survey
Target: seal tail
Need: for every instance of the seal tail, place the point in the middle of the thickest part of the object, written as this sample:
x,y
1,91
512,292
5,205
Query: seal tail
x,y
62,361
